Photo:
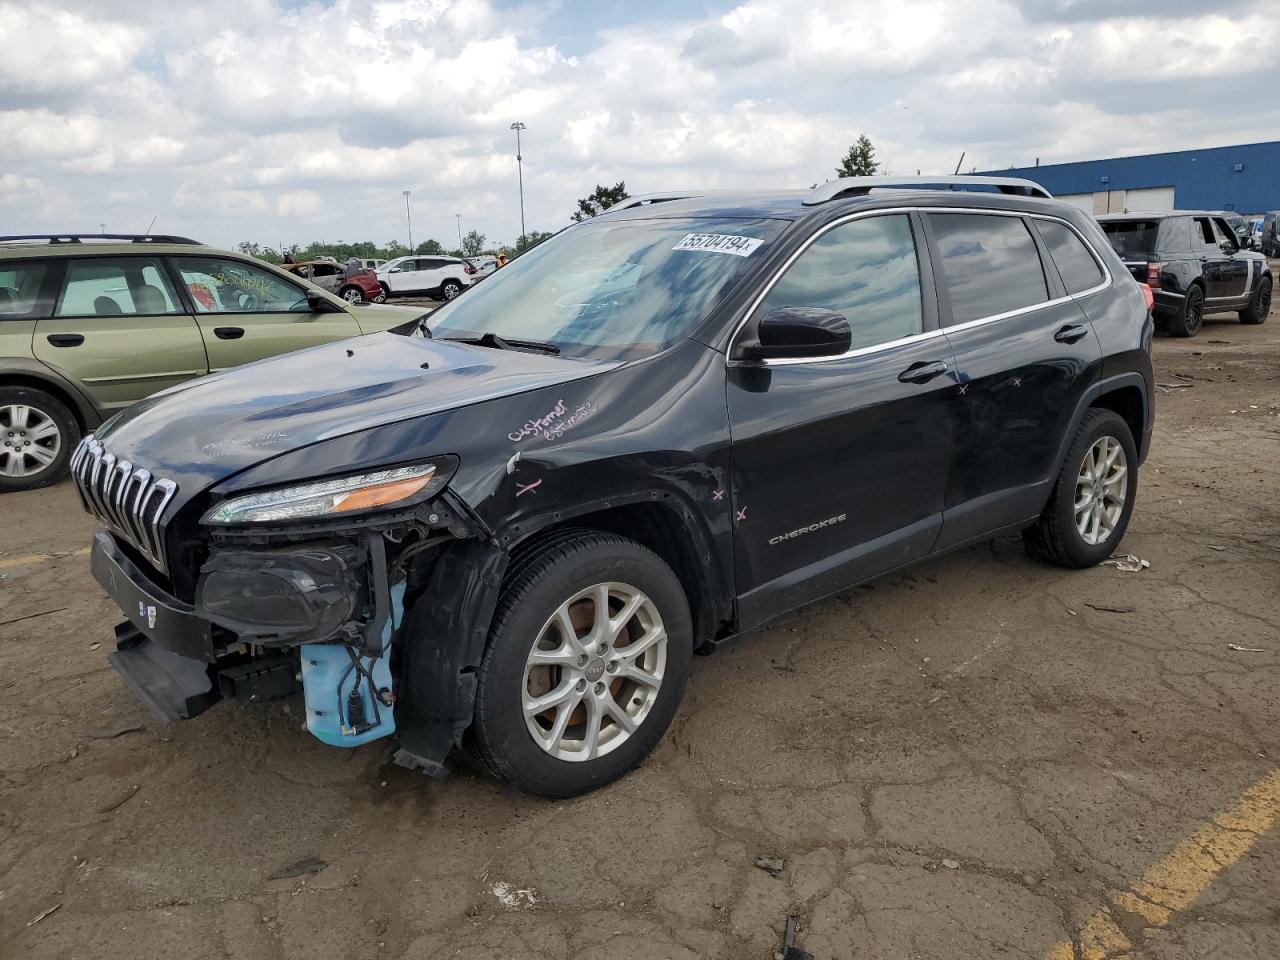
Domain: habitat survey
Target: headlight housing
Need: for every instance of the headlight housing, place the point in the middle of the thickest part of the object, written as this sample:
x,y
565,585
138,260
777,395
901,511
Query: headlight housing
x,y
322,499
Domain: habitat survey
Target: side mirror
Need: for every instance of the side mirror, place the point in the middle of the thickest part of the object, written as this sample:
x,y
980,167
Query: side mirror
x,y
800,332
1229,246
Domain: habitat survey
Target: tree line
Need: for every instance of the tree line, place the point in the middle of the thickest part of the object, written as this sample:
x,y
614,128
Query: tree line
x,y
859,161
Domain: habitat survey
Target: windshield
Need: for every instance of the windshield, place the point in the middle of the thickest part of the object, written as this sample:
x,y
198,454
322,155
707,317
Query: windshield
x,y
1131,238
611,291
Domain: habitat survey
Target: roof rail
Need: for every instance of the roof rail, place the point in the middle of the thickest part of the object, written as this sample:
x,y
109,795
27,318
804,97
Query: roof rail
x,y
53,238
860,186
643,199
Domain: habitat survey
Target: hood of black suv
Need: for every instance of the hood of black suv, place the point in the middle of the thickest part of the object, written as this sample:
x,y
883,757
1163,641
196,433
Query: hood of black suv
x,y
219,425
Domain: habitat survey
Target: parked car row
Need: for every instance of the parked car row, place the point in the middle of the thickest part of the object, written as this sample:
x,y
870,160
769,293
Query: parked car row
x,y
354,283
1195,265
90,325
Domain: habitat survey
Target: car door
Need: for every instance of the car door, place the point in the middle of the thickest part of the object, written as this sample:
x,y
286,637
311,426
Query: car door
x,y
327,276
120,329
1235,272
1025,353
839,463
1214,263
402,277
246,312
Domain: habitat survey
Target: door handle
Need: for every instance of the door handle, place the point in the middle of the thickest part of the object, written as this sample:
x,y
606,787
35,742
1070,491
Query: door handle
x,y
228,333
1071,333
922,371
65,339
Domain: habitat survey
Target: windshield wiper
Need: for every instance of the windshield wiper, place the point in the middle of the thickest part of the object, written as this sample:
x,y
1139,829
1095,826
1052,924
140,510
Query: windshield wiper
x,y
507,343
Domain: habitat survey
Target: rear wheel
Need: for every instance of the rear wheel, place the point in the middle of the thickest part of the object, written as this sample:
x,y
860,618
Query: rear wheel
x,y
1089,509
37,435
1187,321
352,294
586,664
450,289
1260,305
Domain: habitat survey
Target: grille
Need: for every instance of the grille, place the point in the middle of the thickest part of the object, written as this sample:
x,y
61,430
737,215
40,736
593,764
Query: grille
x,y
128,499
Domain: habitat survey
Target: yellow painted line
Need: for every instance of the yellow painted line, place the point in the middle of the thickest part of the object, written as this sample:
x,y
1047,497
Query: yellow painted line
x,y
1173,883
34,558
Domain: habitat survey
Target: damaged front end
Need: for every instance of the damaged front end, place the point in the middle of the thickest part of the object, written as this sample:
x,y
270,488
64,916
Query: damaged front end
x,y
302,585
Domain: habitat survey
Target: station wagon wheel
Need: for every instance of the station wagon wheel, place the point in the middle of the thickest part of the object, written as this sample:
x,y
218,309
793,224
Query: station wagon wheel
x,y
586,663
1092,500
37,433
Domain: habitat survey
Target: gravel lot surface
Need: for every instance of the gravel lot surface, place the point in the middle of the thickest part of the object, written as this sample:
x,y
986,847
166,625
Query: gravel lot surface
x,y
986,757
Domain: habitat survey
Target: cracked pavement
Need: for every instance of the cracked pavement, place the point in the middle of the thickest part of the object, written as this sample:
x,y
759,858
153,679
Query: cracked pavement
x,y
972,759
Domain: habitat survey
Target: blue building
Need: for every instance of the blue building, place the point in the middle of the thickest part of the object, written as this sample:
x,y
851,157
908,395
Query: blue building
x,y
1245,179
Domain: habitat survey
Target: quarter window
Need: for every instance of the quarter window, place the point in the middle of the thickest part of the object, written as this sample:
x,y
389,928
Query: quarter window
x,y
110,287
1076,265
231,286
20,284
866,270
990,264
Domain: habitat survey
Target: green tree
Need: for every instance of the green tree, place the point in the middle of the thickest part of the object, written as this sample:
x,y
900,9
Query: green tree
x,y
430,248
472,243
527,241
860,161
600,200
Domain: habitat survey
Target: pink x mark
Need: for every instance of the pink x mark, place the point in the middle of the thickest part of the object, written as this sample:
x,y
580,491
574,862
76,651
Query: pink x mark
x,y
718,495
742,514
523,488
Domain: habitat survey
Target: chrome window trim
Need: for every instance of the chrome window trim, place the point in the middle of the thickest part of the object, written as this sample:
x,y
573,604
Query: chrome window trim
x,y
924,334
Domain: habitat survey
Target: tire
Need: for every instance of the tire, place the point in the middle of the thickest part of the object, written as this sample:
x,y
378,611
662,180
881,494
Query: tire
x,y
386,292
565,574
1187,321
381,295
450,289
352,294
1056,537
1260,305
38,421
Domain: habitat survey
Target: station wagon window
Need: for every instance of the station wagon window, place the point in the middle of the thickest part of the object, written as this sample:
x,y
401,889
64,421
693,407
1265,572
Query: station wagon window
x,y
990,264
20,284
231,286
1076,265
865,270
111,287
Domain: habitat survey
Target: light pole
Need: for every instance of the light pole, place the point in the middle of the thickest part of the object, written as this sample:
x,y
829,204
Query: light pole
x,y
408,220
458,217
517,127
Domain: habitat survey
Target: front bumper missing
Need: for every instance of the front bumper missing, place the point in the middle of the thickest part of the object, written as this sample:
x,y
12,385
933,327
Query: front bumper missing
x,y
174,687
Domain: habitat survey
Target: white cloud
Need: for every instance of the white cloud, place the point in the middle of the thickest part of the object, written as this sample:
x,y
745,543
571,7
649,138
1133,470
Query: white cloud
x,y
243,119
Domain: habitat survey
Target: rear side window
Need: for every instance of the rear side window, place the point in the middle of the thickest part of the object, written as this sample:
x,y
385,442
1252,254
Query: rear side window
x,y
20,285
990,264
1076,265
115,286
1202,234
866,270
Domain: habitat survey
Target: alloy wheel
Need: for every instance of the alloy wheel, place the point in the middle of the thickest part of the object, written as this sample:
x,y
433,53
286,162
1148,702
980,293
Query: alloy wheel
x,y
1102,486
353,296
30,440
594,672
1264,300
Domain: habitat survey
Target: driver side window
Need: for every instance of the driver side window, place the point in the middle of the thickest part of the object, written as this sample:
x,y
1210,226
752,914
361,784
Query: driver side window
x,y
232,286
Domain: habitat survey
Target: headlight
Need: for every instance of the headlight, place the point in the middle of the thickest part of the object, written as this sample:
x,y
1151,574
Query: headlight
x,y
327,498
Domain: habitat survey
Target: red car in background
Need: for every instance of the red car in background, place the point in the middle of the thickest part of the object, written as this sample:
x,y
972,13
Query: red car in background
x,y
353,284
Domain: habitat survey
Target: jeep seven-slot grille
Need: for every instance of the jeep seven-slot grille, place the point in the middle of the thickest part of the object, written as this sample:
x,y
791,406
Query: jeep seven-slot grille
x,y
129,500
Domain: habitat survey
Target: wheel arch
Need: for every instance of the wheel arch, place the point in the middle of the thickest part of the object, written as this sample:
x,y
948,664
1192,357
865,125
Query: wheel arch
x,y
87,416
1124,393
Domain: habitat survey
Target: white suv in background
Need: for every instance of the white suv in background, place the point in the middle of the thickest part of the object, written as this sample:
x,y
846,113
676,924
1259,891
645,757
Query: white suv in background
x,y
440,277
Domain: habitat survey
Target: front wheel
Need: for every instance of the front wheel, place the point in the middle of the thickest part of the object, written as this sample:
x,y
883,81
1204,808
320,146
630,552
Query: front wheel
x,y
1260,305
1091,503
586,664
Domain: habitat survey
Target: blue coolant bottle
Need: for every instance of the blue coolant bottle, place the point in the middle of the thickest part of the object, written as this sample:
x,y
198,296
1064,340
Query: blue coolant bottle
x,y
338,696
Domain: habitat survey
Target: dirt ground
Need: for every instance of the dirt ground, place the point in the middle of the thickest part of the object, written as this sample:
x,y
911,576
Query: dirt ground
x,y
974,760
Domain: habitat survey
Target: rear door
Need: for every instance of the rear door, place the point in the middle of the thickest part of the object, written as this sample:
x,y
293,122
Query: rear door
x,y
246,312
120,329
1025,353
327,276
839,463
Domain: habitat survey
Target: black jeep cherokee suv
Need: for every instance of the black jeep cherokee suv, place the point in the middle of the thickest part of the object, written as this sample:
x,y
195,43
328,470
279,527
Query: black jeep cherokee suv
x,y
1194,265
509,527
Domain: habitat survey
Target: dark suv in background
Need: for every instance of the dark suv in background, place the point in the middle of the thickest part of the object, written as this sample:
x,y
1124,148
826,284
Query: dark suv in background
x,y
1194,265
509,529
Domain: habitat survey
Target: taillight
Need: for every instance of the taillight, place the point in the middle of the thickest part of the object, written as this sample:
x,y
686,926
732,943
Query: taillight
x,y
1153,275
1148,296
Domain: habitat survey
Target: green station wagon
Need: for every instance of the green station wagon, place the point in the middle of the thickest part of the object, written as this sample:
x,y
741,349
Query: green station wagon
x,y
89,324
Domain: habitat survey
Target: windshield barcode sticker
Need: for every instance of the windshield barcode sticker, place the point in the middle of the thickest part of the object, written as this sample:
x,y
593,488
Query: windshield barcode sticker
x,y
719,243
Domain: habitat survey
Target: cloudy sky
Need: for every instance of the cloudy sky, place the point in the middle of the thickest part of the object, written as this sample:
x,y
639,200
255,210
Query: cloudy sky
x,y
283,121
